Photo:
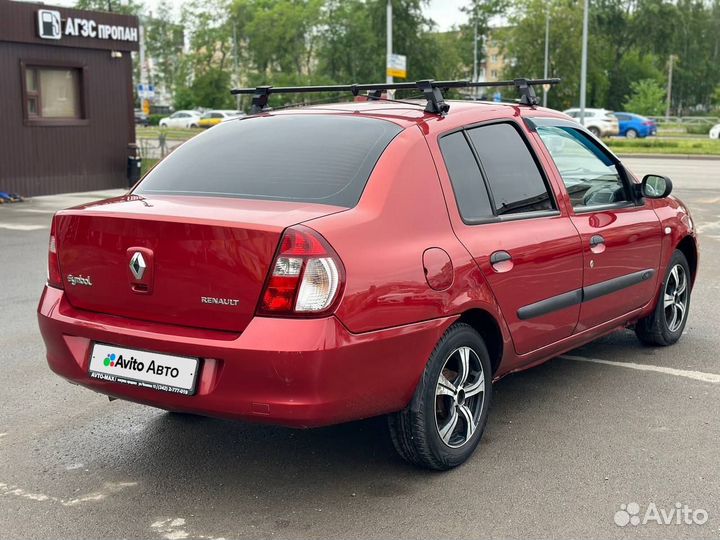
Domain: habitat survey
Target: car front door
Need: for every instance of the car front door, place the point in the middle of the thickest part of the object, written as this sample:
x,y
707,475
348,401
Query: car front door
x,y
508,219
620,233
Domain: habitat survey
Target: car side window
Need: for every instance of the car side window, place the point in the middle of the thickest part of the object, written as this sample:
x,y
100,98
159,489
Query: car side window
x,y
470,191
589,174
513,176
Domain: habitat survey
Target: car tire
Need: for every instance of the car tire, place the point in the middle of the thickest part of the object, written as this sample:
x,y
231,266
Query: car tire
x,y
663,327
595,131
193,126
631,134
443,424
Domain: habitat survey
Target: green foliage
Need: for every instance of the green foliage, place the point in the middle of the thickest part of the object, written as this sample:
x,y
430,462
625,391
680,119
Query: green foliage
x,y
164,43
654,145
647,98
154,119
209,89
278,42
630,41
699,129
126,7
715,99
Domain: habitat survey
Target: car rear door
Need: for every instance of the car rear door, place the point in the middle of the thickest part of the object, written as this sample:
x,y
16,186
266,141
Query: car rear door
x,y
621,236
508,219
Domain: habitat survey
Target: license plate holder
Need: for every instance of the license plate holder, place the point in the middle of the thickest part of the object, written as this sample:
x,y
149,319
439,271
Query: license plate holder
x,y
144,369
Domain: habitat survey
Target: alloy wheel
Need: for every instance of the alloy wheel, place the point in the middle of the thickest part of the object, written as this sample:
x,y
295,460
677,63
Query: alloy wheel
x,y
675,298
459,397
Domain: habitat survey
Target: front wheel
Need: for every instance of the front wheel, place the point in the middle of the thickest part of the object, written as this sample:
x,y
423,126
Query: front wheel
x,y
595,131
444,422
631,134
666,324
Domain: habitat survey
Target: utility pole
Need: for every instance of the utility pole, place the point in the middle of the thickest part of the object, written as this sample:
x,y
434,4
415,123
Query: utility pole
x,y
143,67
669,87
235,64
547,51
583,64
475,57
389,78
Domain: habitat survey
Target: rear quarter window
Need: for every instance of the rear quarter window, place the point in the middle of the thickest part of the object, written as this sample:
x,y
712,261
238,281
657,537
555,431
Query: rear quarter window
x,y
307,158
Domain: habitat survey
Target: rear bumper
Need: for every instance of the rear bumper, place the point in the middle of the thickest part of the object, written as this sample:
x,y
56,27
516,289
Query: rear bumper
x,y
295,372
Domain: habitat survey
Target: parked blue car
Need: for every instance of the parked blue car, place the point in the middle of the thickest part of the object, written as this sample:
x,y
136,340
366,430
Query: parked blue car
x,y
634,125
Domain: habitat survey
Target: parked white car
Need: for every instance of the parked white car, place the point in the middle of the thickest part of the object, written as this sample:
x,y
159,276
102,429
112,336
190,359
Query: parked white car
x,y
214,117
181,119
599,122
715,132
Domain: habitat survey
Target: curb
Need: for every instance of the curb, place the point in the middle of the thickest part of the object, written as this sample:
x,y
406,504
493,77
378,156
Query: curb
x,y
670,156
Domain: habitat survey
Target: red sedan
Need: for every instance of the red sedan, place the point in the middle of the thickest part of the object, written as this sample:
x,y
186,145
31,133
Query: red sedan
x,y
326,264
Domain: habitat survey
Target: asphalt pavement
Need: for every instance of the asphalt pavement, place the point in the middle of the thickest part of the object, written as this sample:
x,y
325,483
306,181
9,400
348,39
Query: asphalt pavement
x,y
573,448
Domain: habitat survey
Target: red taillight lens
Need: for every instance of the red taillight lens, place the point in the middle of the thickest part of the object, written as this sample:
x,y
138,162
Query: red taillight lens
x,y
649,123
54,275
305,277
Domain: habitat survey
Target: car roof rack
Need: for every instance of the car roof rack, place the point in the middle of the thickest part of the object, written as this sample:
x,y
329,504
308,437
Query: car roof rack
x,y
432,91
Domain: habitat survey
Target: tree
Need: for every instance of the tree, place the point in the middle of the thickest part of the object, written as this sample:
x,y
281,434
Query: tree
x,y
647,98
126,7
203,76
164,40
479,13
630,40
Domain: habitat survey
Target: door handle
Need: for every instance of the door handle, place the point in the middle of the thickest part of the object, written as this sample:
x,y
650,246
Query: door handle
x,y
597,243
596,240
501,261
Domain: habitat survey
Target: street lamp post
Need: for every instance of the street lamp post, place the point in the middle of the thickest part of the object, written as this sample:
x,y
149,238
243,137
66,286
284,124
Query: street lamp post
x,y
547,52
669,87
475,57
583,63
389,78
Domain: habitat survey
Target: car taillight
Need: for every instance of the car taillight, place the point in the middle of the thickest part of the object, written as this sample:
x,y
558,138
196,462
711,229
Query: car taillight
x,y
649,123
305,277
54,275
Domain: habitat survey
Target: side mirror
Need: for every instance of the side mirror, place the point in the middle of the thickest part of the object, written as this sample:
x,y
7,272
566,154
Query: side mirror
x,y
654,186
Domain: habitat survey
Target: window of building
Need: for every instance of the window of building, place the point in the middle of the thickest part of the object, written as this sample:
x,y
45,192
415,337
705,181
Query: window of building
x,y
494,73
495,58
53,93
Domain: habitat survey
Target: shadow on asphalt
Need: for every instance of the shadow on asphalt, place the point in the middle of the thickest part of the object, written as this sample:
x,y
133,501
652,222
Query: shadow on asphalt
x,y
237,459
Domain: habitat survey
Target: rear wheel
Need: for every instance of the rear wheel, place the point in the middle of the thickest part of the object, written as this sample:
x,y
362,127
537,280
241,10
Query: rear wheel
x,y
631,134
666,324
595,131
444,422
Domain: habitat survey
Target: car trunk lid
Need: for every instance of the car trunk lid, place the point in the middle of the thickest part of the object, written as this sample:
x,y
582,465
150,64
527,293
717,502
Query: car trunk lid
x,y
202,261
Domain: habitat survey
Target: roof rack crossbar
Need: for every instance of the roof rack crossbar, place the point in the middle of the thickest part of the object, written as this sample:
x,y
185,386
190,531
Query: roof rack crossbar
x,y
432,90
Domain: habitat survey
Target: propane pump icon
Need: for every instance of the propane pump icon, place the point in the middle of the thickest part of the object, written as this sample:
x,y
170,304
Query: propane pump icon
x,y
49,24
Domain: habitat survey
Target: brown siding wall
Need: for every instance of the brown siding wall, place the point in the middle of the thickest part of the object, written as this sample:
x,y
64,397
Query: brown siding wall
x,y
37,160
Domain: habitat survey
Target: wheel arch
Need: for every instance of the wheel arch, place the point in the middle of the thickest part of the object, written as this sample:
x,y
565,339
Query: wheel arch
x,y
688,247
485,324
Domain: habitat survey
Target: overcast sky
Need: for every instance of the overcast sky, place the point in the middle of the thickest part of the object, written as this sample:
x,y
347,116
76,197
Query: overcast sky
x,y
445,13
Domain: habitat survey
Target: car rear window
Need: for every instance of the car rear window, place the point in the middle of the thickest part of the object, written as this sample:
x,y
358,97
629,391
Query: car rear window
x,y
307,158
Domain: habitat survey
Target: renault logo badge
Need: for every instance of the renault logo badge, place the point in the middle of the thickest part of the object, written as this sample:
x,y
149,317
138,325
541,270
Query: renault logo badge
x,y
137,265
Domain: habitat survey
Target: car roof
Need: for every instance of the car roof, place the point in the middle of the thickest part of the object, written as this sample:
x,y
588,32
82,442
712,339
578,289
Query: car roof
x,y
412,112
